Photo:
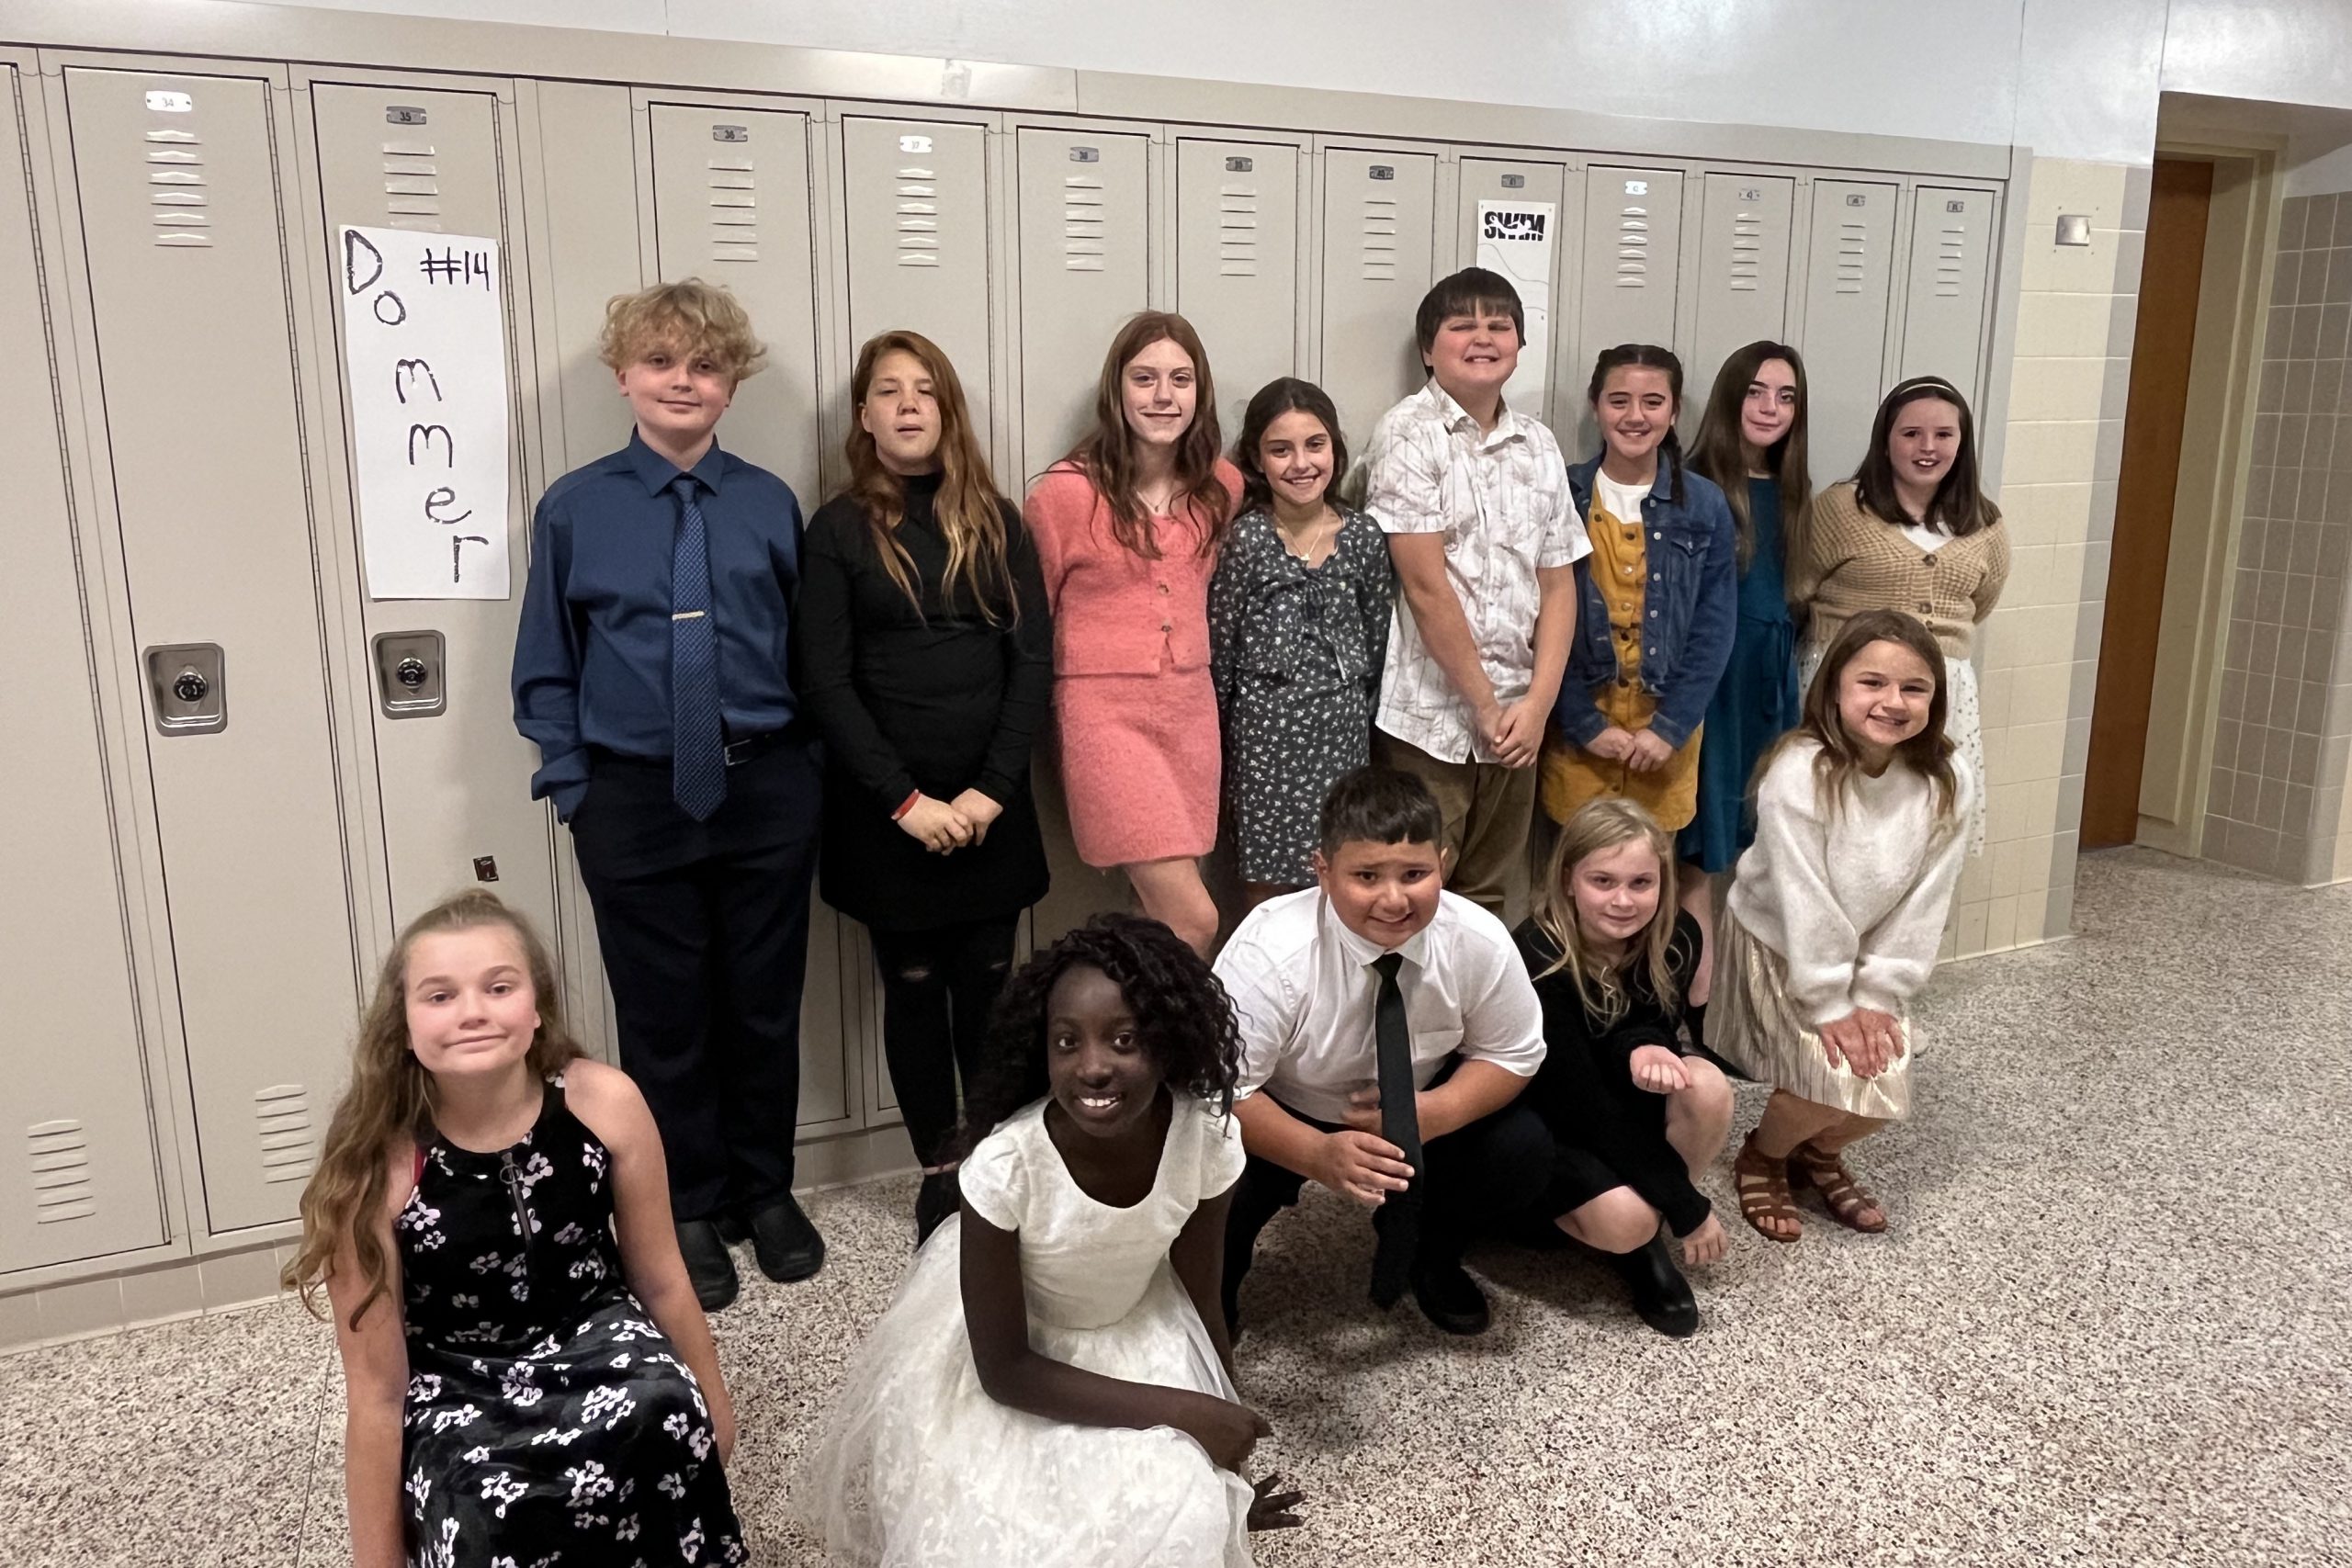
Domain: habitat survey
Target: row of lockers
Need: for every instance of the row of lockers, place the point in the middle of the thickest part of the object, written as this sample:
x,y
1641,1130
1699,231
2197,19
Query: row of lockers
x,y
193,924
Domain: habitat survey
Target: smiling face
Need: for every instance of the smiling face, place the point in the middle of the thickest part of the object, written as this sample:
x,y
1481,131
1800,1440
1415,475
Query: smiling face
x,y
1886,694
1769,407
1922,442
901,412
677,397
1296,457
1096,1067
1158,394
471,1010
1635,409
1474,352
1384,892
1616,893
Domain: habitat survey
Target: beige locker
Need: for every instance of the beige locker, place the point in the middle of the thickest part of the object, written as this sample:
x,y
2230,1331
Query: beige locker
x,y
83,1180
1085,241
1497,180
1951,248
1237,262
916,199
454,784
1848,272
204,440
732,206
1742,278
1379,240
1633,245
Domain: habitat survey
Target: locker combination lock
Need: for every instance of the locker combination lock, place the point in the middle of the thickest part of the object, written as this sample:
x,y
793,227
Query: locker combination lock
x,y
190,687
410,672
411,667
187,683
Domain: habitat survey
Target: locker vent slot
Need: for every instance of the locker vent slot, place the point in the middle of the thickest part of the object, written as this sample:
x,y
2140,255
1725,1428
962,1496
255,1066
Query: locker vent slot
x,y
1379,254
411,193
734,209
1086,230
1951,259
1633,247
60,1154
917,211
175,198
1747,251
282,1114
1236,224
1853,256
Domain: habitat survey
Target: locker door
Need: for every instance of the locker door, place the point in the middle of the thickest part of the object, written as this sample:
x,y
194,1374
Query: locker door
x,y
730,205
1085,246
77,1090
1494,180
1379,235
1943,325
204,435
1237,262
1743,280
455,785
1632,252
916,194
1847,276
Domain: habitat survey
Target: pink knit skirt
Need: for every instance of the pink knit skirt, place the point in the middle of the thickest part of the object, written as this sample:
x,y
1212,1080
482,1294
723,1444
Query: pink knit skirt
x,y
1140,762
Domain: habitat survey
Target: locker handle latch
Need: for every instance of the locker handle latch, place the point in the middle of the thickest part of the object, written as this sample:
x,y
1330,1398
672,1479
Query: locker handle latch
x,y
188,684
411,673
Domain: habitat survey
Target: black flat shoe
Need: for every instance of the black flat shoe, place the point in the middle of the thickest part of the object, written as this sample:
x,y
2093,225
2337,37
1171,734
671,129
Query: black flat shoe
x,y
1449,1298
940,1198
787,1245
1662,1295
708,1268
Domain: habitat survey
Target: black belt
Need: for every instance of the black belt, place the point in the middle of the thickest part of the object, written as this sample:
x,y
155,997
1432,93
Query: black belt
x,y
738,751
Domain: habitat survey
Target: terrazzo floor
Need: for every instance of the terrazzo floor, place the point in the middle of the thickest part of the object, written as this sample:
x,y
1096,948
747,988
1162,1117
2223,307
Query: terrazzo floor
x,y
2109,1324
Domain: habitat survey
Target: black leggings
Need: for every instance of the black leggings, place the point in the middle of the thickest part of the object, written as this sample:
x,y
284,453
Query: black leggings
x,y
938,989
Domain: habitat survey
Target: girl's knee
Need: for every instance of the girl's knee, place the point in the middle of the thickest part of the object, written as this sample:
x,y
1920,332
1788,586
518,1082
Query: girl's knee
x,y
1617,1221
1708,1092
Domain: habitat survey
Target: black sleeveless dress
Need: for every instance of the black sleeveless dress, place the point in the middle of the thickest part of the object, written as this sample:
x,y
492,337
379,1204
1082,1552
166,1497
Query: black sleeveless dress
x,y
550,1423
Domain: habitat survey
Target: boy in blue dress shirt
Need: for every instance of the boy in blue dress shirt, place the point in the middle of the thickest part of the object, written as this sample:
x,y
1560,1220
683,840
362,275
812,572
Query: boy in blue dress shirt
x,y
649,669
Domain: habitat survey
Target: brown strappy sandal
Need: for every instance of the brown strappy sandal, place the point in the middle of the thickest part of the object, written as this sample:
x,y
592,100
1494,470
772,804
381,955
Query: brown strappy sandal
x,y
1847,1198
1763,1185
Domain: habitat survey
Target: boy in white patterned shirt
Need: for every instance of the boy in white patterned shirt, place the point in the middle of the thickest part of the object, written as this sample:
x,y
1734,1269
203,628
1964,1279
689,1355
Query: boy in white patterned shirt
x,y
1485,536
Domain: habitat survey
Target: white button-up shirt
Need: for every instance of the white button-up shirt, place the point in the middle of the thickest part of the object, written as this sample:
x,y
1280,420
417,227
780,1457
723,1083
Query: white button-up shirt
x,y
1501,499
1304,989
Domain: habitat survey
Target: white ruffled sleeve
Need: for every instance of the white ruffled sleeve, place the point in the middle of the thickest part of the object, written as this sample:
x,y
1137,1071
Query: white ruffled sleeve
x,y
994,1178
1221,1154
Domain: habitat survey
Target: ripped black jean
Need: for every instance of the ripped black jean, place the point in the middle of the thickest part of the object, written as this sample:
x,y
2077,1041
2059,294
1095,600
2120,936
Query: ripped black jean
x,y
938,989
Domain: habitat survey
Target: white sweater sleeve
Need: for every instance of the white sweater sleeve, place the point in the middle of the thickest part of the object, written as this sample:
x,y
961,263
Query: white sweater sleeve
x,y
1819,942
1899,952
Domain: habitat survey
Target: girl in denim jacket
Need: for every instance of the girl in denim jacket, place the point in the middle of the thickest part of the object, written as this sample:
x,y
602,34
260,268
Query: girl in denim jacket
x,y
1654,602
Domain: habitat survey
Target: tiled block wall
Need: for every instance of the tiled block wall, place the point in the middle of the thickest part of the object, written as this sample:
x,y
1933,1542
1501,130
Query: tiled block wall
x,y
79,1308
2063,449
2285,729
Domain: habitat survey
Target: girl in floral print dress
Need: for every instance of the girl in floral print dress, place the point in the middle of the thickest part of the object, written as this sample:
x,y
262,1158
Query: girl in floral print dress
x,y
531,1382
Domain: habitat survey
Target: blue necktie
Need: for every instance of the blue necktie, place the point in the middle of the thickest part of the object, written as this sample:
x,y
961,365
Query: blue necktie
x,y
697,740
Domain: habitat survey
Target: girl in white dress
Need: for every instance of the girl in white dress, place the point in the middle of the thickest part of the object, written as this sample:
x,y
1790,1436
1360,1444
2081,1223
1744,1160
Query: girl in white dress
x,y
1053,1384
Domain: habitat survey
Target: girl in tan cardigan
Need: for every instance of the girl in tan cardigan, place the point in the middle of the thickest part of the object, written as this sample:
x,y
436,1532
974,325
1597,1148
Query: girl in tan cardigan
x,y
1912,531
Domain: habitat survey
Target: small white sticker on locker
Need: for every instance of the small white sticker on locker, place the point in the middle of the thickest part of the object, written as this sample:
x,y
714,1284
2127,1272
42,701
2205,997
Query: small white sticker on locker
x,y
914,143
1638,187
170,103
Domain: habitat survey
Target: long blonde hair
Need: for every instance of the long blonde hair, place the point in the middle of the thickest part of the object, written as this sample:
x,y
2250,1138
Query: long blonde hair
x,y
1605,824
968,510
390,1096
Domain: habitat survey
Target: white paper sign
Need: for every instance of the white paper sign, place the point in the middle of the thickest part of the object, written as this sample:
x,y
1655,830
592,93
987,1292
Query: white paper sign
x,y
1515,239
425,356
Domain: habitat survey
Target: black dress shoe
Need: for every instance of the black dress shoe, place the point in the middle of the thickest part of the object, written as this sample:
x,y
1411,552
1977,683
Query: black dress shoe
x,y
1660,1293
1449,1297
732,1228
940,1198
708,1268
787,1245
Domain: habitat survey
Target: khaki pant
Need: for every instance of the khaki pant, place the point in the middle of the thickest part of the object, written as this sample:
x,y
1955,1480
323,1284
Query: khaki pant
x,y
1487,809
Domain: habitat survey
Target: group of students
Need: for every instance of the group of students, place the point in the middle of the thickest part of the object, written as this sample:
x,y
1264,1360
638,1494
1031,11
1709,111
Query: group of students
x,y
1686,663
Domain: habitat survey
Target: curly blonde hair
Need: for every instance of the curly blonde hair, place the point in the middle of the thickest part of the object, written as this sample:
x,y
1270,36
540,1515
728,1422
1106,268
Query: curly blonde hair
x,y
688,317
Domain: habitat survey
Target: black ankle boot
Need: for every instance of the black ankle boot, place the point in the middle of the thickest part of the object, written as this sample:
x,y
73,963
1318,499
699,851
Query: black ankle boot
x,y
1662,1295
939,1198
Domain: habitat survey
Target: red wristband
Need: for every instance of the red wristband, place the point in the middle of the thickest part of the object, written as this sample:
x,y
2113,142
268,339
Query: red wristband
x,y
906,806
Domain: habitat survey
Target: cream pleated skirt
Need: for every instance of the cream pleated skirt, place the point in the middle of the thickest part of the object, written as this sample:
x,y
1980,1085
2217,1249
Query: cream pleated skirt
x,y
1753,1024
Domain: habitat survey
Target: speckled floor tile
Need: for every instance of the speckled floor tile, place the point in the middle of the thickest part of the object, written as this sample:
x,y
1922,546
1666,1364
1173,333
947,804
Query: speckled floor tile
x,y
2107,1327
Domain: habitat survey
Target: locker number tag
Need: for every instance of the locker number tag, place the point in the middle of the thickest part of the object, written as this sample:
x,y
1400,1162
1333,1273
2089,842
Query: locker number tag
x,y
1751,193
1858,200
1514,182
1085,154
170,103
914,143
1955,207
1638,187
403,114
1383,171
485,868
1239,166
730,133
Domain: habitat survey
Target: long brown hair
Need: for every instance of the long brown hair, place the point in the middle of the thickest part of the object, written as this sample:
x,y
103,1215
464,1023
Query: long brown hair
x,y
1929,752
1106,454
1960,506
390,1096
1600,825
1719,450
969,514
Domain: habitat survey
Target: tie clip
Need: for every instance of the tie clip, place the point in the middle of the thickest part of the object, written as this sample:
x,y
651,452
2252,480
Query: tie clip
x,y
689,614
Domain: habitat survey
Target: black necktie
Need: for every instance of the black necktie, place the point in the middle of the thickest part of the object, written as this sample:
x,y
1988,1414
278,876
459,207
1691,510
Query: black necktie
x,y
1398,1221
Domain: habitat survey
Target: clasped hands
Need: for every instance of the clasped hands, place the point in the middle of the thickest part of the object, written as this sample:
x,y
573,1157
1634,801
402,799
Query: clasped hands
x,y
1640,750
1865,1040
1515,731
943,826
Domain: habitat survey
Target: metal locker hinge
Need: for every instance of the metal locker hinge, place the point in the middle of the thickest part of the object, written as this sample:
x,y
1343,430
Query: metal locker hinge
x,y
411,667
189,683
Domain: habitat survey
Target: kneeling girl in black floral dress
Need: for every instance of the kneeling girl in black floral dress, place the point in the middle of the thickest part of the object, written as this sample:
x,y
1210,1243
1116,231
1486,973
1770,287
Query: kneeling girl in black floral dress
x,y
530,1378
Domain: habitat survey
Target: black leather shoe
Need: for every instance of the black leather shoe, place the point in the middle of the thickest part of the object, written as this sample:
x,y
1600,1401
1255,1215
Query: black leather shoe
x,y
787,1245
940,1198
1661,1295
710,1269
1449,1297
732,1228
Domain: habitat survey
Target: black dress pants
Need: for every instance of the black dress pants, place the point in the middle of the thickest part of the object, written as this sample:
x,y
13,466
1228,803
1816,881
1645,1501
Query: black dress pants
x,y
704,928
939,988
1478,1178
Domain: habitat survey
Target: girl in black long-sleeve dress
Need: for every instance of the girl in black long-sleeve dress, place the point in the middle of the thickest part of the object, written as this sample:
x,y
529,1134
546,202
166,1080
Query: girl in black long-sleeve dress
x,y
923,646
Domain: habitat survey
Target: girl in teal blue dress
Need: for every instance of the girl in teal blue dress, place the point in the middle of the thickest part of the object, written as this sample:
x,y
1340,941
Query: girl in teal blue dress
x,y
1751,441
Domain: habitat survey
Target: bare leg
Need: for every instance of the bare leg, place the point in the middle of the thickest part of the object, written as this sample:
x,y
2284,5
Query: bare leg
x,y
1699,898
1698,1117
1171,892
1869,1214
1789,1122
1617,1221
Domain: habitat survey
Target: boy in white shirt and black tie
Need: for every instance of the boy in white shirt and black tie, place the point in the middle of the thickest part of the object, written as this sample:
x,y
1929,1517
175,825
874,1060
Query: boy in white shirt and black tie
x,y
1387,1028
